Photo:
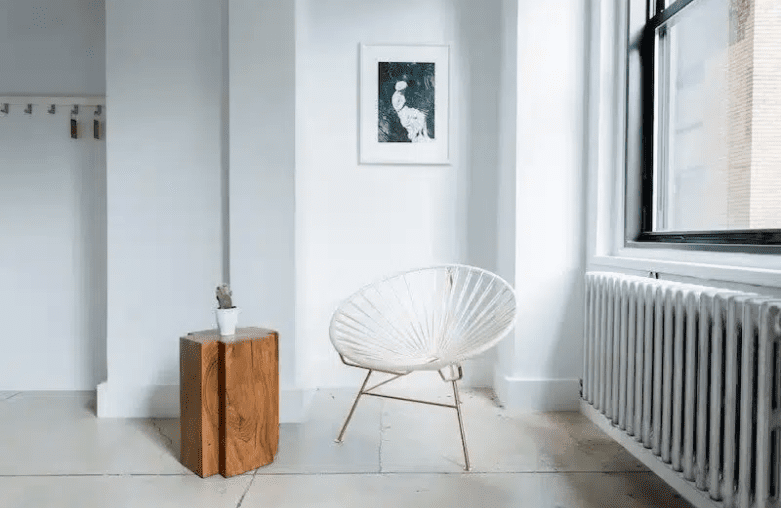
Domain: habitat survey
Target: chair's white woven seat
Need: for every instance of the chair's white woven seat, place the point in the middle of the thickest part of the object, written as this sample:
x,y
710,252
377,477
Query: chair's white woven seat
x,y
424,319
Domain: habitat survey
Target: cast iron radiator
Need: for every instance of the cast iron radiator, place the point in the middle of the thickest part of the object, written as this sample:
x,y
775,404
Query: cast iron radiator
x,y
688,379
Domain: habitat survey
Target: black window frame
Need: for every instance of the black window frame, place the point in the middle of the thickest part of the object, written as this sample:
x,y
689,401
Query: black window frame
x,y
641,234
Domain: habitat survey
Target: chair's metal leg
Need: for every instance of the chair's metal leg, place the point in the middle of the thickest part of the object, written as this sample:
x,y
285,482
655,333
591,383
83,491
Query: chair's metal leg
x,y
352,409
461,424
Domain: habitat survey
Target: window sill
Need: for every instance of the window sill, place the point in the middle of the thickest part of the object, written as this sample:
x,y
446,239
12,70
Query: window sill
x,y
753,269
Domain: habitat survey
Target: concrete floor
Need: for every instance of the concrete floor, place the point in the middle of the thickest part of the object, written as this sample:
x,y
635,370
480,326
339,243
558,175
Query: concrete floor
x,y
55,452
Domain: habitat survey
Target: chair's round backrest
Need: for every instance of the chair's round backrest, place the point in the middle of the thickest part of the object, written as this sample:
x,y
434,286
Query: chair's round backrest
x,y
424,319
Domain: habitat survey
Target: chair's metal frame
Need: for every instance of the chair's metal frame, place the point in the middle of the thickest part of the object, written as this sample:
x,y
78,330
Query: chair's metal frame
x,y
457,375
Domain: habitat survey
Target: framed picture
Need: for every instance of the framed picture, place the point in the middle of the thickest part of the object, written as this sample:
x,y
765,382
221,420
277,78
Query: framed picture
x,y
404,104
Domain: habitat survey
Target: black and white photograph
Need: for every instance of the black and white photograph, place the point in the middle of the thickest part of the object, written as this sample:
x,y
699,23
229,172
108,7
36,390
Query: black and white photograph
x,y
404,104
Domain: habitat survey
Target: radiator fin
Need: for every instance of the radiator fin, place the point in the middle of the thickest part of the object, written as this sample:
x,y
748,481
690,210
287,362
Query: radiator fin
x,y
692,373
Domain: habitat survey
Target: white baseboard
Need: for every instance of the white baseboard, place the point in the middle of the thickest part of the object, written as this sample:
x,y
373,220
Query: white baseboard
x,y
162,401
538,394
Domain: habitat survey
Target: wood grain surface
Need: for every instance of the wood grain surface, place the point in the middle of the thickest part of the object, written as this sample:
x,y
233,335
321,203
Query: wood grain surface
x,y
200,406
249,395
229,400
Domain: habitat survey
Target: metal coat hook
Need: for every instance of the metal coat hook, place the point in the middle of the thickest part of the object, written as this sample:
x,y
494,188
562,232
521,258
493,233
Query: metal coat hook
x,y
52,109
29,109
75,109
4,109
98,110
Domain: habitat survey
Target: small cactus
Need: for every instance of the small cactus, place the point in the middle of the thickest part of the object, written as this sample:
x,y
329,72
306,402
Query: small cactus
x,y
224,296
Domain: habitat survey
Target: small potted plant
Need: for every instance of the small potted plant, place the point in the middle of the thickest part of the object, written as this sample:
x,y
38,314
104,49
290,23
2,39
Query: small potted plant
x,y
227,313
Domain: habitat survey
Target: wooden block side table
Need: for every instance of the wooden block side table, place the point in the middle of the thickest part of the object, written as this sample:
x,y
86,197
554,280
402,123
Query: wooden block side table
x,y
200,404
229,400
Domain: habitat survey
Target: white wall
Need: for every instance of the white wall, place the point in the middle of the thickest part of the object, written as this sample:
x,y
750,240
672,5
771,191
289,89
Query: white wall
x,y
296,191
164,91
52,252
550,225
480,35
506,234
50,47
262,171
354,222
52,200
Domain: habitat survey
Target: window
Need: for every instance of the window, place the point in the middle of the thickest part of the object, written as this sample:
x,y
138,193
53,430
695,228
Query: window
x,y
704,123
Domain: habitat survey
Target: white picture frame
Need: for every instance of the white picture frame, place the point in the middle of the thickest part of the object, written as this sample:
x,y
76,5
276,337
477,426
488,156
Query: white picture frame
x,y
400,87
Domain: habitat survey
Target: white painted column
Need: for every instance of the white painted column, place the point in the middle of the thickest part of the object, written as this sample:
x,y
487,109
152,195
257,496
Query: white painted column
x,y
542,364
262,88
163,90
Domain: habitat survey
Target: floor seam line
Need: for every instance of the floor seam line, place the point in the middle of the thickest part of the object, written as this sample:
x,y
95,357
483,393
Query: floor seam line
x,y
159,429
252,480
330,473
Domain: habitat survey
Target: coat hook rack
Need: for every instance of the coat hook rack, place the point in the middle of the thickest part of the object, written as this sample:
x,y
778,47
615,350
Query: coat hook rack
x,y
98,110
52,109
29,109
75,109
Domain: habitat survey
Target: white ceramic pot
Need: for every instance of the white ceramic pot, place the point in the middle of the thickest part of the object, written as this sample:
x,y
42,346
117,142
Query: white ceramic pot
x,y
227,319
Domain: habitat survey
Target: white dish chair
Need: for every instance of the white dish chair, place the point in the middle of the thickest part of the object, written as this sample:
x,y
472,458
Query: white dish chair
x,y
424,319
